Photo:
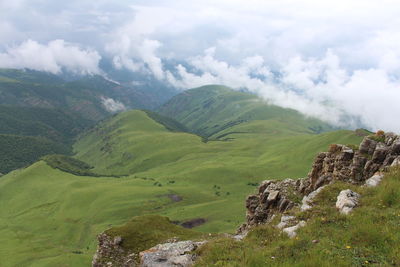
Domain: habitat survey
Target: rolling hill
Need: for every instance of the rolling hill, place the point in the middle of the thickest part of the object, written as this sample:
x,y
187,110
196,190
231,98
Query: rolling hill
x,y
151,164
50,112
214,111
171,173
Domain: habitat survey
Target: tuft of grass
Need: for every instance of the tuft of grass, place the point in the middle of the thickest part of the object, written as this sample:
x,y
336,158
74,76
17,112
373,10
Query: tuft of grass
x,y
353,147
379,136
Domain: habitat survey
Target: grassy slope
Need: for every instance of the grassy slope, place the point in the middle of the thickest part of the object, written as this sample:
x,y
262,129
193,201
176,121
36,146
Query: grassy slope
x,y
27,133
60,213
369,236
46,224
208,110
55,124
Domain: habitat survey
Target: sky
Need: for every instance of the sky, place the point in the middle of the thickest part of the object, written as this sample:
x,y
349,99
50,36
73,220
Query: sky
x,y
335,60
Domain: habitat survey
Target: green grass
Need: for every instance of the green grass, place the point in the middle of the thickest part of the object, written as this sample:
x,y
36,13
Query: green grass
x,y
49,215
367,237
212,109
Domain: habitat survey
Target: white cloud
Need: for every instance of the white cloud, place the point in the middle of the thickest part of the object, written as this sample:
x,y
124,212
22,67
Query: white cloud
x,y
112,105
53,57
316,87
324,58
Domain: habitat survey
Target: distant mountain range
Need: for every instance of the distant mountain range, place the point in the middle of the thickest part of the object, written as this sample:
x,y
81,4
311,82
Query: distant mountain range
x,y
49,112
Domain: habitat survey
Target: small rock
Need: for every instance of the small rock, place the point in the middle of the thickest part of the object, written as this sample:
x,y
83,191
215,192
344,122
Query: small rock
x,y
117,240
315,241
240,237
308,200
374,180
285,220
170,254
346,201
396,162
273,196
291,231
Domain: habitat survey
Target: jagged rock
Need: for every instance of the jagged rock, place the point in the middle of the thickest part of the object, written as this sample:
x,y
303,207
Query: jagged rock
x,y
345,164
374,180
380,153
273,197
396,146
170,254
308,200
339,163
346,201
110,253
285,221
367,146
292,231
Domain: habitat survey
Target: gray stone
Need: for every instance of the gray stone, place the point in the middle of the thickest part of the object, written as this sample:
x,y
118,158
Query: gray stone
x,y
170,254
285,220
380,153
396,146
292,231
347,200
374,180
367,146
308,200
396,162
273,196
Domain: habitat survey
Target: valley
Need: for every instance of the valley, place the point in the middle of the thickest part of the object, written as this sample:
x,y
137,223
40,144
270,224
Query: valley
x,y
52,217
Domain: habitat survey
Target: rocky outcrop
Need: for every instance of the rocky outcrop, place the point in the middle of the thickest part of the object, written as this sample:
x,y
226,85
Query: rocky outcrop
x,y
111,253
347,200
170,254
341,163
272,197
354,165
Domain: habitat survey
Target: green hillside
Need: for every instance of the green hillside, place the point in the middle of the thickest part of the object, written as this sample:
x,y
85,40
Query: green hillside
x,y
54,124
169,172
40,104
213,111
20,151
28,133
